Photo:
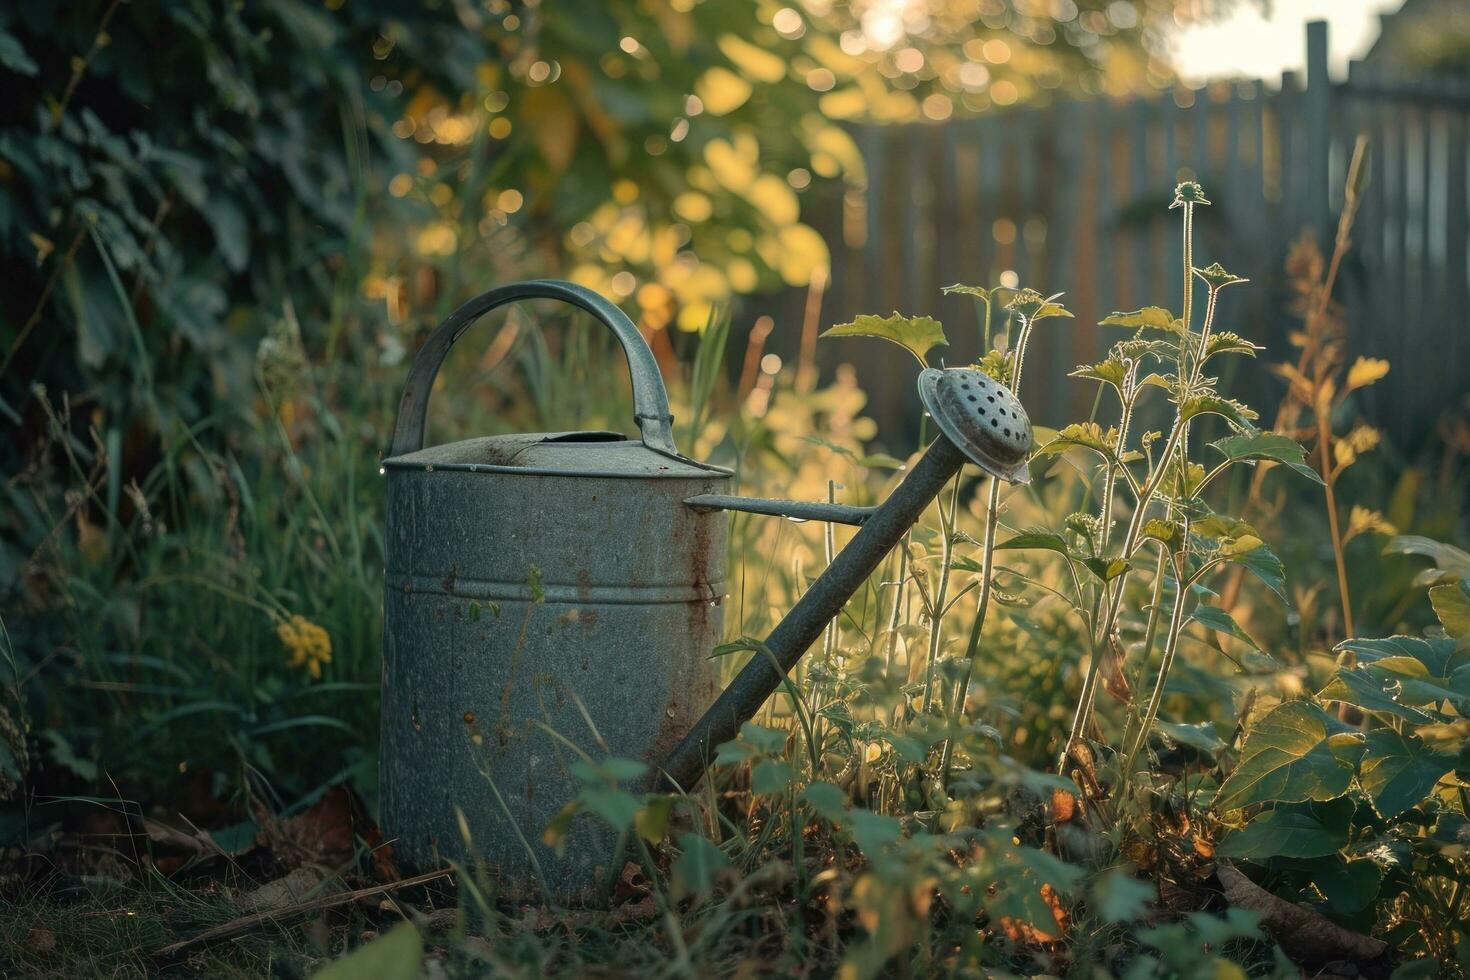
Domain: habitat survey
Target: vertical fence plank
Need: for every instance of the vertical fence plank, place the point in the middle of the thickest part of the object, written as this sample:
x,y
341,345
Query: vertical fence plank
x,y
992,182
874,144
1100,227
1139,257
1316,106
1066,188
1457,227
1027,159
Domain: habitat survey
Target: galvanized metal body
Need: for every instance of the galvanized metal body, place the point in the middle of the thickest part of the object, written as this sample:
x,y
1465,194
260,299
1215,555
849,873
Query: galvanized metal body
x,y
538,584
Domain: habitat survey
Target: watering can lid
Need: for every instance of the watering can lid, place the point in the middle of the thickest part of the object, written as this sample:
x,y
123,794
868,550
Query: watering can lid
x,y
598,453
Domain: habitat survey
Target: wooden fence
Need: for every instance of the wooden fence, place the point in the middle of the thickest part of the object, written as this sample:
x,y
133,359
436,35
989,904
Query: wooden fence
x,y
1072,197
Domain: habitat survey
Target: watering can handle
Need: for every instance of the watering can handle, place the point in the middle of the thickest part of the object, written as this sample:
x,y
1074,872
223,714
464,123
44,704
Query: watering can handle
x,y
650,400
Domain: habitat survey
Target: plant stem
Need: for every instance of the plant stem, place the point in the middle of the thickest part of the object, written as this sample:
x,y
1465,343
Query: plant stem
x,y
987,564
941,590
1324,462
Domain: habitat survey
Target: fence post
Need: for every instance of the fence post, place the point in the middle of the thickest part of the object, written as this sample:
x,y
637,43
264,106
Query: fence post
x,y
1317,111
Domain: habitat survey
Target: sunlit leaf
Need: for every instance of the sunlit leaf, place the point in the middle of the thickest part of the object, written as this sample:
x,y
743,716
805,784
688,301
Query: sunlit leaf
x,y
979,292
1085,435
1261,445
1233,411
1296,752
1109,371
1149,318
1031,305
1225,342
1375,691
1217,619
1215,275
1107,569
1035,538
916,334
1452,605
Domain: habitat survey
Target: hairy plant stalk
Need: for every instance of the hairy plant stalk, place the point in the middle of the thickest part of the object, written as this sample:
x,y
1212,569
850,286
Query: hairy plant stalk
x,y
987,564
1329,479
1178,440
941,590
1171,647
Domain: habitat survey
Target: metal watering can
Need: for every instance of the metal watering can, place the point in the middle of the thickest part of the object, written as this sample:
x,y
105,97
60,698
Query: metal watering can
x,y
551,590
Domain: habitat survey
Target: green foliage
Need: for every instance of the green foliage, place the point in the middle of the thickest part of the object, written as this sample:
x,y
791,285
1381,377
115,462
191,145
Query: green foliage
x,y
394,956
917,334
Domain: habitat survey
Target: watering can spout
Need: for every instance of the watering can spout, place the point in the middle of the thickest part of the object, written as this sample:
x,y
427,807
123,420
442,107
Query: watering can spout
x,y
980,421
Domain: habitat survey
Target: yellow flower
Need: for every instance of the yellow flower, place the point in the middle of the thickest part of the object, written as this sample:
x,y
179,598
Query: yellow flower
x,y
308,644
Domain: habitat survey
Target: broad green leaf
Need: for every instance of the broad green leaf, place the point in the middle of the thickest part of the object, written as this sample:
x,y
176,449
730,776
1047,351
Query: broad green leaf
x,y
1264,565
1452,605
828,799
1231,410
1117,896
771,741
1284,832
1050,869
1296,752
1036,538
916,334
873,831
1446,557
1150,318
1439,656
394,956
699,861
1348,886
1217,619
1373,692
769,777
614,806
1199,736
1269,446
1399,770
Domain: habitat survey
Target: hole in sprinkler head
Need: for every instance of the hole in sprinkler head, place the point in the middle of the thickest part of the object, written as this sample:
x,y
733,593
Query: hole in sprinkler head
x,y
972,398
990,398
